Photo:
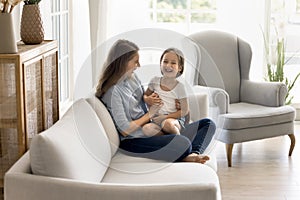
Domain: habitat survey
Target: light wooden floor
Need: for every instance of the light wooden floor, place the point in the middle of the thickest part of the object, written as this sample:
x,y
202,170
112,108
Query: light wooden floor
x,y
261,170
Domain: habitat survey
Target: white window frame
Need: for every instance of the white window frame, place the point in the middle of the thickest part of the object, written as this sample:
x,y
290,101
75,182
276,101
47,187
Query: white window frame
x,y
61,27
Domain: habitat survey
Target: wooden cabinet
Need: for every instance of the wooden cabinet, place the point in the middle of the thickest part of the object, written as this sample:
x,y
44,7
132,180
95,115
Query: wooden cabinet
x,y
28,98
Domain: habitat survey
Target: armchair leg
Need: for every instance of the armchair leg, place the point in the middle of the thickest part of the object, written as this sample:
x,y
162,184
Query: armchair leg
x,y
229,148
293,141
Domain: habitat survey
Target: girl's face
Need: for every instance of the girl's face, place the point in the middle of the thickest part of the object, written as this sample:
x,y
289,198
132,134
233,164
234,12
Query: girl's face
x,y
132,64
169,65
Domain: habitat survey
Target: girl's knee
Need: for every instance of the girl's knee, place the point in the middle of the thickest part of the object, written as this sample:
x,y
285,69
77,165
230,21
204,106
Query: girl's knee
x,y
171,126
150,129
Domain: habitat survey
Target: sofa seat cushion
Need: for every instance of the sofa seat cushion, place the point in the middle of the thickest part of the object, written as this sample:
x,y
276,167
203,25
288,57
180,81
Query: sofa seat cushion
x,y
167,175
120,158
75,147
160,173
245,115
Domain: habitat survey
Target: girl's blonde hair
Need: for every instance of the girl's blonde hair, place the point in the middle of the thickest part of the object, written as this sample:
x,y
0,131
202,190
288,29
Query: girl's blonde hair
x,y
179,56
115,65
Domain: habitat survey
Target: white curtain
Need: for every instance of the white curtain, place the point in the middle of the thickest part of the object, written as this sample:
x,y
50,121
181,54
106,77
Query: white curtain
x,y
80,45
99,19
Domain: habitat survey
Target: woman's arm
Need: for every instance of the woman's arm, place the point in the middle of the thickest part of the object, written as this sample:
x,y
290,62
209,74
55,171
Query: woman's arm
x,y
138,123
183,111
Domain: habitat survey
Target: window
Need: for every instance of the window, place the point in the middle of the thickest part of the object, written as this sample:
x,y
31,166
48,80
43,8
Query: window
x,y
188,13
288,11
60,32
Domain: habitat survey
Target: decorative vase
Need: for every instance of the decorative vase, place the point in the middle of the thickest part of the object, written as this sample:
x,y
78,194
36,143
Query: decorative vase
x,y
7,39
32,31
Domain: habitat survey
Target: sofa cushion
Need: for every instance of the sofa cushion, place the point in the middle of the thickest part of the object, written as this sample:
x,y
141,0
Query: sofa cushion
x,y
246,115
107,122
75,147
166,175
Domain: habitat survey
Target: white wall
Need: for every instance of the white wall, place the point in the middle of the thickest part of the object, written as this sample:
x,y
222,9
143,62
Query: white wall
x,y
245,19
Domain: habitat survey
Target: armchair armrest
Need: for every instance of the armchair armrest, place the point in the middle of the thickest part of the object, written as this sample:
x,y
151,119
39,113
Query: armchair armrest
x,y
217,97
263,93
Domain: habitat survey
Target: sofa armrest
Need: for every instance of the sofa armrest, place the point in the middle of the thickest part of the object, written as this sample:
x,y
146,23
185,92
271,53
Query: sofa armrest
x,y
263,93
198,103
33,187
217,97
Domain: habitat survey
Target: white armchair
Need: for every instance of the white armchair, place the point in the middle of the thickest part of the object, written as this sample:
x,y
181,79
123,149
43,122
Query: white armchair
x,y
243,110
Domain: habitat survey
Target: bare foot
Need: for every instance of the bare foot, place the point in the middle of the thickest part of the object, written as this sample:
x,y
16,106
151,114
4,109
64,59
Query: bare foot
x,y
193,157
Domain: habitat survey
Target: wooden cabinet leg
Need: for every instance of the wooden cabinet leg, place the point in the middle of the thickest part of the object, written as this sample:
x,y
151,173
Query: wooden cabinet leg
x,y
293,141
229,148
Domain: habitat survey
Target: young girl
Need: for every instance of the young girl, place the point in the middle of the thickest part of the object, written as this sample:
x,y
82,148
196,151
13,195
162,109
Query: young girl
x,y
170,119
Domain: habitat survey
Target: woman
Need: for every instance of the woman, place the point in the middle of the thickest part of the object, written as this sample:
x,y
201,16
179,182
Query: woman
x,y
122,93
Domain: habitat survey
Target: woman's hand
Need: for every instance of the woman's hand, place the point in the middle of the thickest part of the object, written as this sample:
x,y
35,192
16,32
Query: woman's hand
x,y
153,110
152,99
177,104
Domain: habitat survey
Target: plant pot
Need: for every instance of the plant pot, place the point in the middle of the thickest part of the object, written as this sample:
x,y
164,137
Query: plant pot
x,y
7,39
32,31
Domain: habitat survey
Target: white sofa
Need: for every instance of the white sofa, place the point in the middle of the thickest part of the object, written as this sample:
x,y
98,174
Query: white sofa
x,y
78,158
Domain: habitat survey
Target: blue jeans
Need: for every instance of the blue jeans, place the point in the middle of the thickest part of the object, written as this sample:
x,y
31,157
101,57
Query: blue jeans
x,y
172,148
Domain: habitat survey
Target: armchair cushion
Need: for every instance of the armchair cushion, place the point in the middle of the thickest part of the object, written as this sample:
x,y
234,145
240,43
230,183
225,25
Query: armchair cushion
x,y
245,115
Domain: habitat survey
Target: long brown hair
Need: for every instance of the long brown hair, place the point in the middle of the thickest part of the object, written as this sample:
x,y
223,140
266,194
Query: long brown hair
x,y
179,55
115,65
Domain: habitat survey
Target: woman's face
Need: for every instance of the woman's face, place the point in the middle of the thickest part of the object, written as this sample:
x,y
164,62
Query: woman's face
x,y
169,65
133,64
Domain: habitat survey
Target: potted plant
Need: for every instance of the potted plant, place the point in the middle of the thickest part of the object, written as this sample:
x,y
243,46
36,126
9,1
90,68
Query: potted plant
x,y
276,61
32,31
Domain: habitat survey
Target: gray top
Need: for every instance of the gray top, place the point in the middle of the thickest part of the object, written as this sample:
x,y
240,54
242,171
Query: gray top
x,y
125,103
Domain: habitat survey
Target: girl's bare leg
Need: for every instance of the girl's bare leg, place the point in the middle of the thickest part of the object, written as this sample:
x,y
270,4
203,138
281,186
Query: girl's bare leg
x,y
171,126
151,129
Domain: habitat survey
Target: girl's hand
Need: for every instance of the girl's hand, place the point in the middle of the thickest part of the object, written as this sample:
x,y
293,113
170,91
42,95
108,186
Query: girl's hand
x,y
159,119
152,99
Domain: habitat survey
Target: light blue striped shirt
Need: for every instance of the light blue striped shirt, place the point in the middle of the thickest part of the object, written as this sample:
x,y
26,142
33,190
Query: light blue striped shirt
x,y
125,103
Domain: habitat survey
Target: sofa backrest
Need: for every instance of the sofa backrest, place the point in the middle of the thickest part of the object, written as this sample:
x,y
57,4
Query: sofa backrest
x,y
107,122
75,147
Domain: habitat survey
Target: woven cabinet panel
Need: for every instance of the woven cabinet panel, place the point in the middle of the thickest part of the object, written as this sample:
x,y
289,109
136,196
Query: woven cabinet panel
x,y
33,98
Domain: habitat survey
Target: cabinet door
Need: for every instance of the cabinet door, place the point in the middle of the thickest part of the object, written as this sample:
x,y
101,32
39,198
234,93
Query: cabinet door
x,y
10,139
50,89
33,97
